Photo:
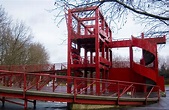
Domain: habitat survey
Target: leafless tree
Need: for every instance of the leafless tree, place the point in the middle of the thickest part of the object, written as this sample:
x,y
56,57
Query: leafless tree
x,y
4,19
37,54
153,14
20,37
120,61
16,45
163,61
4,33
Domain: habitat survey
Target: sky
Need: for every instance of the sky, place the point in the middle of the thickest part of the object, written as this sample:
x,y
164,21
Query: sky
x,y
37,15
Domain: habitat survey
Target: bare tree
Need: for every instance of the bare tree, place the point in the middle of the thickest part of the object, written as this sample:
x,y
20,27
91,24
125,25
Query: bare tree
x,y
16,45
163,61
120,61
20,37
153,14
37,54
4,19
5,32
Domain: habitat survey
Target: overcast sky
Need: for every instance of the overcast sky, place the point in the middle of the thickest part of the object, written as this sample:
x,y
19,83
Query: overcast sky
x,y
35,15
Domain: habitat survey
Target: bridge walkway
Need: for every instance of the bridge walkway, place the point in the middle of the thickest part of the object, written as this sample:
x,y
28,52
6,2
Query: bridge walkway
x,y
47,87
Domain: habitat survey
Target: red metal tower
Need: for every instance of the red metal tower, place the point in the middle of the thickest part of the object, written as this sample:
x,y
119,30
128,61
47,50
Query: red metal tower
x,y
88,31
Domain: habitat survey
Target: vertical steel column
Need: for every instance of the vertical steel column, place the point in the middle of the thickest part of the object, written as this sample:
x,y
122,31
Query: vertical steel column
x,y
25,104
91,81
156,60
85,56
91,57
102,22
53,85
103,77
91,72
110,34
107,54
97,60
69,23
103,50
85,71
111,59
142,60
24,91
131,56
78,28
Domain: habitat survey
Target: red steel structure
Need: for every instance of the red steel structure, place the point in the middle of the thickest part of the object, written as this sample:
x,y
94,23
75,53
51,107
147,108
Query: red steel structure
x,y
93,77
90,51
88,31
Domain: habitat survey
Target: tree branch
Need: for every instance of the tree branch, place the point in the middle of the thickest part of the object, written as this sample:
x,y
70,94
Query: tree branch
x,y
137,11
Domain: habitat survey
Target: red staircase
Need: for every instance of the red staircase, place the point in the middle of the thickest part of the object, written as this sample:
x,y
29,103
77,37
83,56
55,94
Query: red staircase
x,y
149,57
146,71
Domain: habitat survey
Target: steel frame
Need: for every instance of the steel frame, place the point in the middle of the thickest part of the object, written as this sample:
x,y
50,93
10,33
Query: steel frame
x,y
81,30
91,32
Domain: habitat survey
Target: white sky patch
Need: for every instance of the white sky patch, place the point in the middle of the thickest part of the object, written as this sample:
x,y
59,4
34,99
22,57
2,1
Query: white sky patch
x,y
35,15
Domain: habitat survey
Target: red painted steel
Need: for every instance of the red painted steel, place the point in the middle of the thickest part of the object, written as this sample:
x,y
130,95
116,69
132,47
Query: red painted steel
x,y
143,73
92,76
89,31
80,92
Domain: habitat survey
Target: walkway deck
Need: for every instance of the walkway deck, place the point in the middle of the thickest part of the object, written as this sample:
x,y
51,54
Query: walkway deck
x,y
9,92
47,87
161,105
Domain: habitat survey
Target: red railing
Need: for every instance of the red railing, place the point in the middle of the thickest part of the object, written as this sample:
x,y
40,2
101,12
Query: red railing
x,y
58,84
77,59
28,68
34,68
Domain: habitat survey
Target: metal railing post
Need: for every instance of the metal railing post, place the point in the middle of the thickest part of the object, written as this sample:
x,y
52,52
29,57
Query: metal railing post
x,y
24,91
75,89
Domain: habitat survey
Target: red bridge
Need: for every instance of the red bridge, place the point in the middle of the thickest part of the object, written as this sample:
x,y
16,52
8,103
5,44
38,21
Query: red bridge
x,y
91,76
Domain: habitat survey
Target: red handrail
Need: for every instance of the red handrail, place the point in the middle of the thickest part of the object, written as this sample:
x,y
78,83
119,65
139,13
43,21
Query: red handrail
x,y
125,86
